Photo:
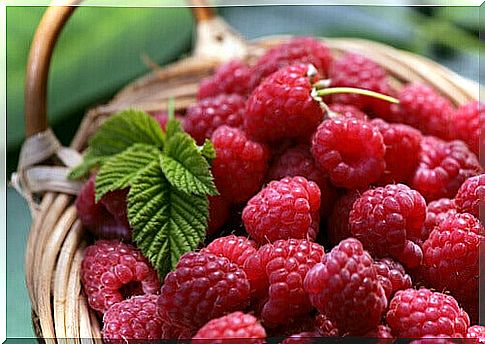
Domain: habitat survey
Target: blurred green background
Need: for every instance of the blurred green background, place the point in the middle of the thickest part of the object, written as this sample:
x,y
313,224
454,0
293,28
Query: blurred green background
x,y
100,51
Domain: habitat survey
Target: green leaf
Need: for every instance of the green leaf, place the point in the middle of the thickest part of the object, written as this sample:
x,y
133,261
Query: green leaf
x,y
173,127
125,129
184,166
166,222
119,171
90,161
207,150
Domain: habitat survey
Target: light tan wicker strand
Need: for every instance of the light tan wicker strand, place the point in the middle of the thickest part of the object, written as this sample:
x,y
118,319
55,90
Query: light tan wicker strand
x,y
73,292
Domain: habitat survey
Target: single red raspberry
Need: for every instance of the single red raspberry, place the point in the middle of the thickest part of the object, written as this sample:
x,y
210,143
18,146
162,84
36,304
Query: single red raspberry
x,y
471,195
345,287
134,318
384,219
236,328
299,49
436,212
208,114
402,151
350,151
392,276
443,167
162,118
284,264
240,164
423,108
284,209
112,271
417,313
202,287
235,248
477,333
108,218
381,331
451,256
348,111
338,227
230,77
467,125
282,106
219,212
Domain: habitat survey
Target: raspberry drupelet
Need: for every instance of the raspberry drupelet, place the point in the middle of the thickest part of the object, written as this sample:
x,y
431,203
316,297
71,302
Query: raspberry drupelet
x,y
235,248
232,77
471,195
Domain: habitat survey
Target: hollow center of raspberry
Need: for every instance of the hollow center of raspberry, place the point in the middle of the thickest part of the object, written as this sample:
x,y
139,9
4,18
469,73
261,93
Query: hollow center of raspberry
x,y
131,289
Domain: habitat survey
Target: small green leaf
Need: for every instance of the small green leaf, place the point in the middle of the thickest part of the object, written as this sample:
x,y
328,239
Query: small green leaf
x,y
184,166
173,127
207,150
166,222
90,161
119,170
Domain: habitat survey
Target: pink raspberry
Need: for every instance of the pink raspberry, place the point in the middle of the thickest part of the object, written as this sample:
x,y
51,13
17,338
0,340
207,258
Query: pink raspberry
x,y
284,264
402,151
107,218
350,151
235,248
284,209
436,212
443,167
471,195
230,77
282,106
134,318
240,164
202,287
299,49
392,276
338,227
417,313
467,125
235,328
219,212
208,114
477,333
345,287
112,271
386,218
348,111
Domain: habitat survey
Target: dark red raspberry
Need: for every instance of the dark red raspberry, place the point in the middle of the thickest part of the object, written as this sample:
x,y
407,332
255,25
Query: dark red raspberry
x,y
134,318
107,218
348,111
236,328
112,271
282,106
471,195
443,167
350,151
392,276
202,287
417,313
230,77
304,324
384,219
355,70
284,209
423,108
240,164
338,227
467,125
299,49
402,151
345,287
284,264
451,255
205,116
162,118
477,333
235,248
436,212
381,331
219,212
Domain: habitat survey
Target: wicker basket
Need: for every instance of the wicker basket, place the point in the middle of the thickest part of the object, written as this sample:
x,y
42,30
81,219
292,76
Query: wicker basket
x,y
56,241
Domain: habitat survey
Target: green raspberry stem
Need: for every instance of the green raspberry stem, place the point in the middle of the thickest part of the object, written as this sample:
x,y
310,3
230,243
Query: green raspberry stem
x,y
337,90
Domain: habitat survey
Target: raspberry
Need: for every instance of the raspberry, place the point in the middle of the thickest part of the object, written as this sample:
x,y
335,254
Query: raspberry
x,y
230,77
219,212
402,151
477,333
282,106
467,124
381,331
208,114
202,287
350,151
417,313
443,167
348,111
233,326
112,271
354,70
392,276
299,49
451,255
338,222
284,266
424,109
436,212
384,219
471,195
134,318
345,287
284,209
236,249
107,218
162,118
240,165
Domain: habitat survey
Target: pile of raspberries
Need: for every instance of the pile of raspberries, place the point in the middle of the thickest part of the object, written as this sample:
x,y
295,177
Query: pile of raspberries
x,y
343,216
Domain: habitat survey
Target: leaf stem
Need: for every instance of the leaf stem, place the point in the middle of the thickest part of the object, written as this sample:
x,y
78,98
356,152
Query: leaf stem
x,y
336,90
